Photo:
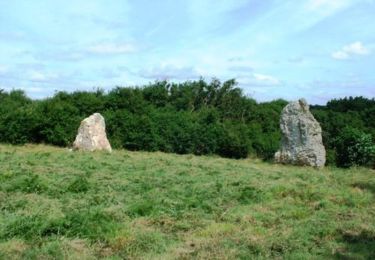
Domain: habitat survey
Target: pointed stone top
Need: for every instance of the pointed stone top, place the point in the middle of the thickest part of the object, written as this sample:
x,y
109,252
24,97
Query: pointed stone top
x,y
297,107
303,103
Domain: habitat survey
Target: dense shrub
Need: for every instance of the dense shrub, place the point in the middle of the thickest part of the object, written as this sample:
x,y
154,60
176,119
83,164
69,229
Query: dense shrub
x,y
234,142
354,147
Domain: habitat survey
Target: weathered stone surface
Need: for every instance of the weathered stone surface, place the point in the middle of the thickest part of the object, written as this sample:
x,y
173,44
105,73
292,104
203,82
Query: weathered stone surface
x,y
91,135
302,137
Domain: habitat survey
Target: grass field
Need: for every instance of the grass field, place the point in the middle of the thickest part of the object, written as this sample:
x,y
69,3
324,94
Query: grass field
x,y
56,204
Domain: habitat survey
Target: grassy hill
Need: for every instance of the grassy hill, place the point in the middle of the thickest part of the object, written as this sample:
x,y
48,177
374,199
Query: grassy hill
x,y
56,204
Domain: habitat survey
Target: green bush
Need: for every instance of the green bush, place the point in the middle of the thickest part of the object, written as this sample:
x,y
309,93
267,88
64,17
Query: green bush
x,y
233,146
354,147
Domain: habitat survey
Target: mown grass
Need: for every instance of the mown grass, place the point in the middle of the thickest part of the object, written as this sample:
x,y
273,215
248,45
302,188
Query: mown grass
x,y
56,204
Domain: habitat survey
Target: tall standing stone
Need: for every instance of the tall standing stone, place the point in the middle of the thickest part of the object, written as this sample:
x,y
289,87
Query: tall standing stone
x,y
91,135
301,142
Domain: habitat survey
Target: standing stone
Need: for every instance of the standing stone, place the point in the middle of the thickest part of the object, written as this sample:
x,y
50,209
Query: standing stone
x,y
301,142
91,135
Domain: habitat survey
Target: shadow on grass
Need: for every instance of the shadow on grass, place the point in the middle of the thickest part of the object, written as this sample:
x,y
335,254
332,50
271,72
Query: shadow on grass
x,y
357,246
365,186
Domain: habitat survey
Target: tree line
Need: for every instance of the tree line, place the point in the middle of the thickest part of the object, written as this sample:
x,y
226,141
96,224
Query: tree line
x,y
196,117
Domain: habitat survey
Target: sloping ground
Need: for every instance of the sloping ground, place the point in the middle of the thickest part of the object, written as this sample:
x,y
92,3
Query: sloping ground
x,y
56,204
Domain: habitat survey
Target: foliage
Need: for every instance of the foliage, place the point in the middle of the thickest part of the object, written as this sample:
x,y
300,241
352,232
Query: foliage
x,y
353,147
55,204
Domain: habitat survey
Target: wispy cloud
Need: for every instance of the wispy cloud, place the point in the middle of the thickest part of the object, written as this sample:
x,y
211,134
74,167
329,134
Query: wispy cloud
x,y
348,51
328,6
169,72
296,60
110,48
258,81
240,68
316,12
266,79
321,4
39,76
66,55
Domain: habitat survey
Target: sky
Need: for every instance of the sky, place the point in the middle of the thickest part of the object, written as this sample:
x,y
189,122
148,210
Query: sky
x,y
315,49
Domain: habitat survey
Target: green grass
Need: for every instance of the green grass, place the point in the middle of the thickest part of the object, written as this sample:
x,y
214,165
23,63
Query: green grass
x,y
56,204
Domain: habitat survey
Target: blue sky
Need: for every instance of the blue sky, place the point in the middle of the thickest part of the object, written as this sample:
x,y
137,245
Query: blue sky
x,y
317,49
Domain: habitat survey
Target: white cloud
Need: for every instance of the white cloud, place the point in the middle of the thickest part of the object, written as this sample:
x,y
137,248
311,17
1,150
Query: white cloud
x,y
38,76
296,60
258,82
198,8
319,4
340,55
320,9
355,48
240,68
328,7
169,72
112,48
62,55
35,89
267,79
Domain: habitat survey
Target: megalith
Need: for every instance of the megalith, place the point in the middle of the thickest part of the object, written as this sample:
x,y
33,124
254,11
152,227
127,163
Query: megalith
x,y
301,142
92,135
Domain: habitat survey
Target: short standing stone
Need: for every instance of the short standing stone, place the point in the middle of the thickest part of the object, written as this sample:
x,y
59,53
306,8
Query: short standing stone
x,y
91,135
301,137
